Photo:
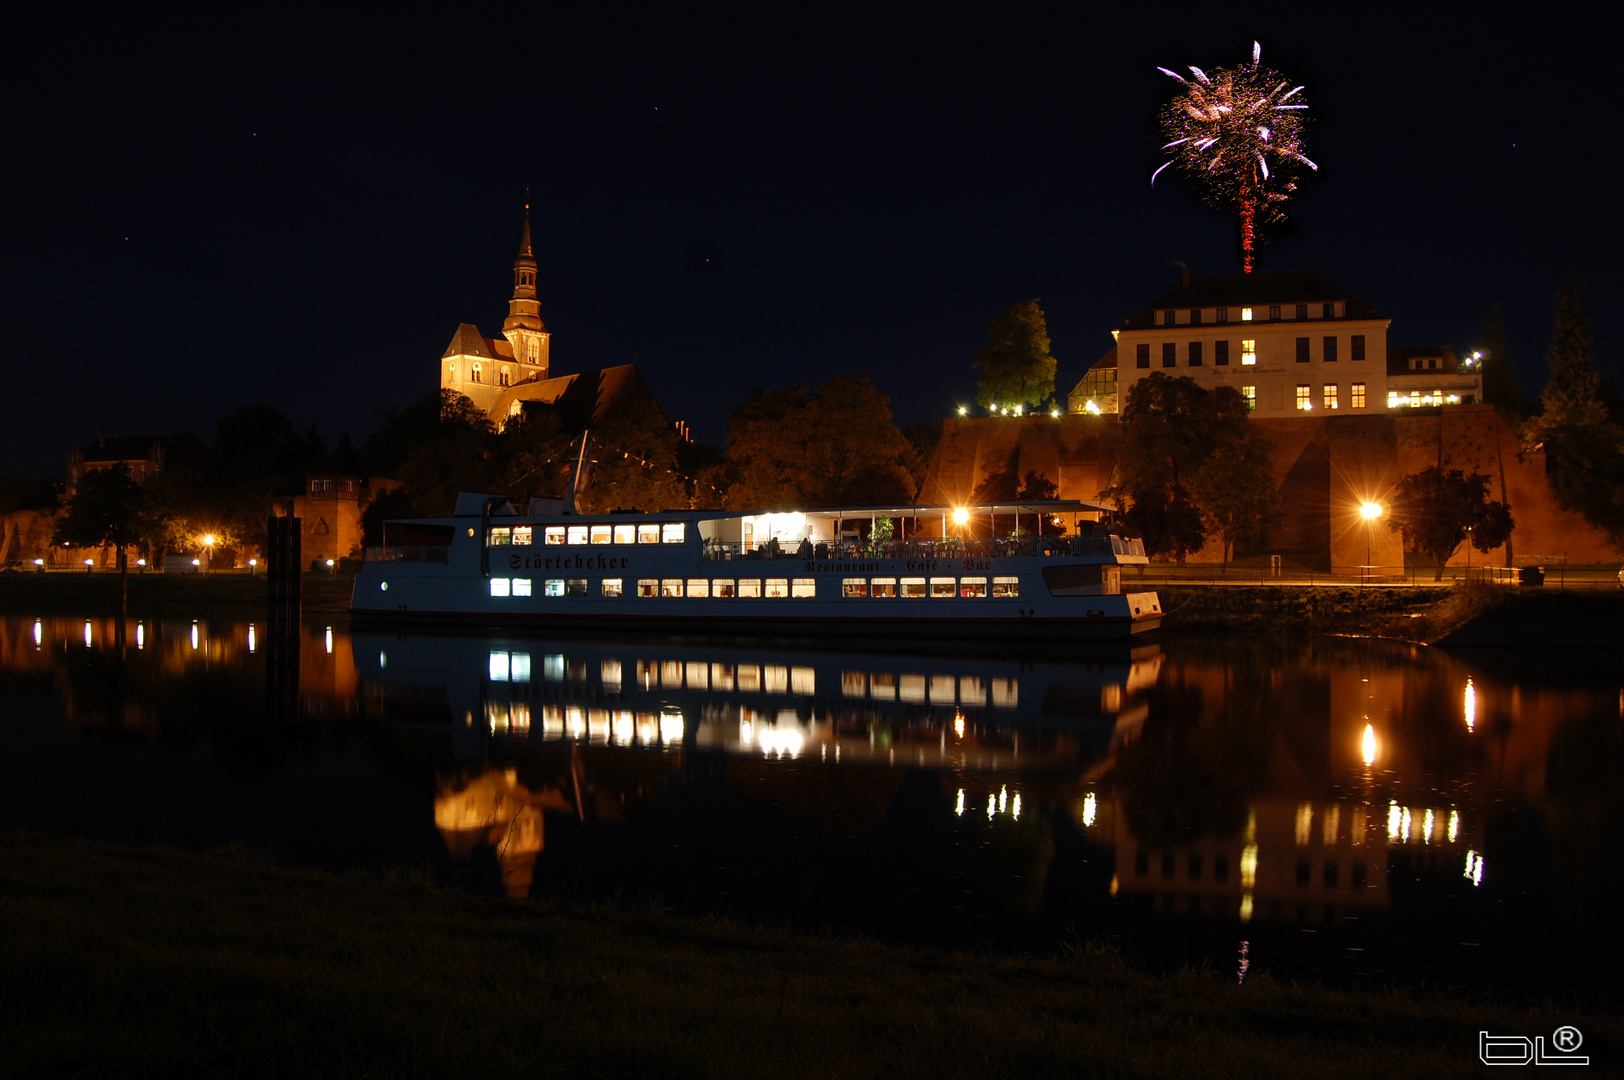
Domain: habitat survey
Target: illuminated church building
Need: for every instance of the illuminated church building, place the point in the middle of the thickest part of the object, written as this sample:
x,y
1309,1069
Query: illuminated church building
x,y
501,374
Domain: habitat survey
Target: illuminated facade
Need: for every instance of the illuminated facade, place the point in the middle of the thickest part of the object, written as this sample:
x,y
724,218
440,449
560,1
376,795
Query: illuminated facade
x,y
1422,377
483,368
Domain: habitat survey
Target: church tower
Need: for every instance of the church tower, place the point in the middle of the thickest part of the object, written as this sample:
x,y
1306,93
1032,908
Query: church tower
x,y
523,327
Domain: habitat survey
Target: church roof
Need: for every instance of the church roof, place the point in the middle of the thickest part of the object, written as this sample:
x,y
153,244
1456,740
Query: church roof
x,y
468,341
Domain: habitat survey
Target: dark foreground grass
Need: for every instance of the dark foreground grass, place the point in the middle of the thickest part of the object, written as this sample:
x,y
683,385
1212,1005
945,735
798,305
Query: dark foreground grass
x,y
240,594
124,962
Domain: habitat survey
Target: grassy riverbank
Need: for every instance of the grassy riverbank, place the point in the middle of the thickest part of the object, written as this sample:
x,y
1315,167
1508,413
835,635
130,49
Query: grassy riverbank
x,y
162,593
122,961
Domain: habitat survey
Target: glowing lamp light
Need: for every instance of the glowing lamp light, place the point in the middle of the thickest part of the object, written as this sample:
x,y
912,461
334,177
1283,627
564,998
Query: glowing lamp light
x,y
961,516
1367,745
1471,706
90,562
964,410
1017,410
208,541
1091,407
197,562
1054,413
1370,511
140,562
39,562
253,562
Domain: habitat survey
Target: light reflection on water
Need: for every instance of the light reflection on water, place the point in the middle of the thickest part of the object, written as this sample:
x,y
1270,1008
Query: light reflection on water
x,y
1158,794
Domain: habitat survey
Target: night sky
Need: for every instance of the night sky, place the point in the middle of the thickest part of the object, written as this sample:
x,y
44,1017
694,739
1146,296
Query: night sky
x,y
201,214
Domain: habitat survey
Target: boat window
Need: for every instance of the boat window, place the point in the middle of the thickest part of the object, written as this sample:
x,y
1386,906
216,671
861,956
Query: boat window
x,y
1006,693
803,587
648,586
803,681
611,587
941,689
672,533
855,586
554,587
521,586
671,586
911,688
522,534
913,586
699,587
577,534
749,678
501,586
648,534
971,692
942,586
884,586
774,679
555,534
721,676
882,686
625,534
577,587
1006,586
777,587
601,534
749,586
722,587
973,586
853,683
501,537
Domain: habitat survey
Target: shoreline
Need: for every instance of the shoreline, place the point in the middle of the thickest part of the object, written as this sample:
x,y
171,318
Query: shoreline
x,y
227,961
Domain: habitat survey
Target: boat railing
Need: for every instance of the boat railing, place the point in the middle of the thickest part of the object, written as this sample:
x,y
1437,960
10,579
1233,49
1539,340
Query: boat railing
x,y
832,551
428,554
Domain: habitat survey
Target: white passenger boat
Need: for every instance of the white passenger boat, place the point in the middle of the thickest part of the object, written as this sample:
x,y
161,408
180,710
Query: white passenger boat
x,y
785,573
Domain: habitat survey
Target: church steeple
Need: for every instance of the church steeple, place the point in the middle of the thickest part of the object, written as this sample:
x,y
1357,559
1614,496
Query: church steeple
x,y
524,310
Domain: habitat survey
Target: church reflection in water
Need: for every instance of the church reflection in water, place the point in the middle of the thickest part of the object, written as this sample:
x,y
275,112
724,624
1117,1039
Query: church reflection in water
x,y
1220,783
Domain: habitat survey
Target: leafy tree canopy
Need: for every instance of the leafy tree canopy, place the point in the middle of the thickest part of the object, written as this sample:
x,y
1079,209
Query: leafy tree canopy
x,y
1437,509
105,509
832,445
1500,386
1016,366
1236,493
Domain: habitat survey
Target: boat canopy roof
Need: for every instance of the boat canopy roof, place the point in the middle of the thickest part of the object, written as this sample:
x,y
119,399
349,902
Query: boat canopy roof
x,y
472,504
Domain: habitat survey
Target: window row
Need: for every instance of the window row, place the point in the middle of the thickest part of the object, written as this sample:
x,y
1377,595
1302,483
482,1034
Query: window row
x,y
1170,317
1329,397
672,532
1195,352
769,588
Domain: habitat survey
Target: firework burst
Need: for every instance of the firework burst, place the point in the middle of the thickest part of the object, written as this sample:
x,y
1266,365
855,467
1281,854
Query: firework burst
x,y
1237,134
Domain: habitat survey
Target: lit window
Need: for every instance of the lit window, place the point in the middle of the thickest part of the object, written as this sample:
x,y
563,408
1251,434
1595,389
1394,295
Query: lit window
x,y
671,587
749,587
648,534
803,587
913,587
1220,353
1329,397
973,586
1356,396
501,586
576,534
1415,398
1302,350
1329,355
1393,400
1195,354
601,534
854,586
504,377
942,587
1246,314
625,534
723,587
611,586
1141,355
1304,396
777,588
1356,347
648,587
554,534
1250,394
521,586
698,588
478,373
1248,352
501,537
453,371
672,533
522,535
883,586
577,587
1006,586
553,587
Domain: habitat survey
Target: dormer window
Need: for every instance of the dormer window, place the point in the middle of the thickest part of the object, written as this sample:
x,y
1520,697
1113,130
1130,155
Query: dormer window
x,y
1246,314
1222,315
1169,318
1328,311
1195,316
1302,311
1274,312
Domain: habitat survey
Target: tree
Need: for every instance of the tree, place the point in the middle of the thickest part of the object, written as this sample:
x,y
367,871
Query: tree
x,y
1437,509
832,445
1016,367
1236,493
1583,444
1171,429
1500,386
105,509
634,467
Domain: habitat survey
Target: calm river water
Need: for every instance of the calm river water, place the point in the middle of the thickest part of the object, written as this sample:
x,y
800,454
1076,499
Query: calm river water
x,y
1345,811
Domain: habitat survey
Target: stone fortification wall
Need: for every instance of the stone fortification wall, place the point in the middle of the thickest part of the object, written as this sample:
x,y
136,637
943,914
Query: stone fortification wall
x,y
1326,467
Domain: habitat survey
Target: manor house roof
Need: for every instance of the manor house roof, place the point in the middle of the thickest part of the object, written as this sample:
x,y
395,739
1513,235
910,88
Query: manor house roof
x,y
1285,290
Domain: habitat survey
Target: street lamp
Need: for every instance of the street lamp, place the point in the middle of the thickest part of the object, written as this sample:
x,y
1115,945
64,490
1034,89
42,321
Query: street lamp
x,y
330,571
208,554
1370,511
